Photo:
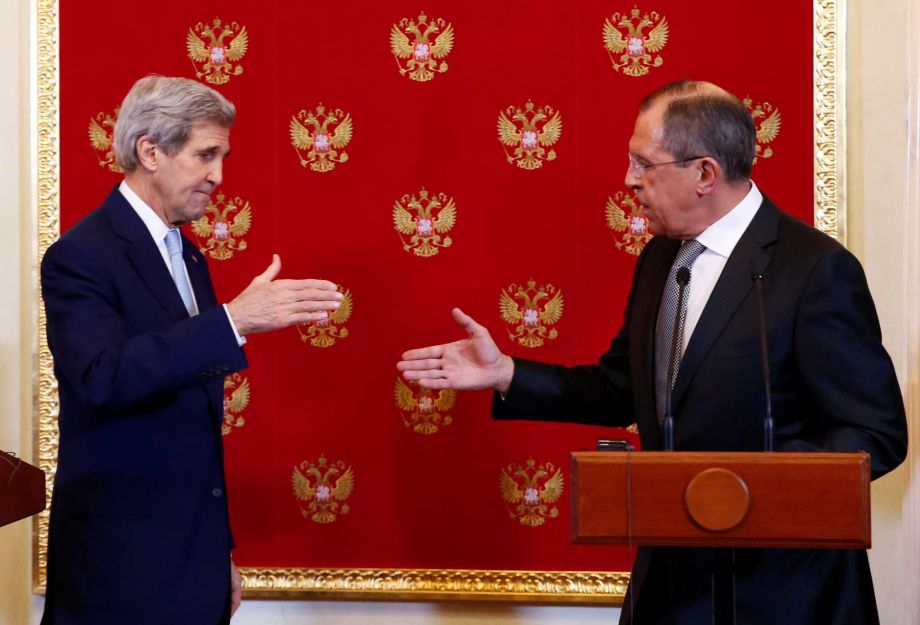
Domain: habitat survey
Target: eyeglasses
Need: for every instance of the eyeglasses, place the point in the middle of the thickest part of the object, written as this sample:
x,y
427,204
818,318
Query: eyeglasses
x,y
640,167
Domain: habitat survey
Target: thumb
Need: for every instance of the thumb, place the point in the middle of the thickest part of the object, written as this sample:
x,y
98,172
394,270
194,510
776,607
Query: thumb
x,y
468,323
271,272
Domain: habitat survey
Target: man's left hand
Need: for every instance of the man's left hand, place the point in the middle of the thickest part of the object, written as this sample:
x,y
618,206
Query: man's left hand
x,y
236,588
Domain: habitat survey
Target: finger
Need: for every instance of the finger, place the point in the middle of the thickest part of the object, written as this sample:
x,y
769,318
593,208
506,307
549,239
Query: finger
x,y
305,317
303,295
235,600
298,312
282,294
438,383
273,270
418,365
468,323
427,374
236,588
309,305
310,283
434,351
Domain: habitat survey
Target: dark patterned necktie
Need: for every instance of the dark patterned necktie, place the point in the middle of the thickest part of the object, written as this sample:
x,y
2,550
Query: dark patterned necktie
x,y
664,330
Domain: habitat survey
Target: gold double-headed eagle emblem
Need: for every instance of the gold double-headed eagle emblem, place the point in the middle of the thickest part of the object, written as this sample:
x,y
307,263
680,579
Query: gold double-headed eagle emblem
x,y
215,50
236,399
322,487
424,410
425,219
415,53
530,131
767,121
627,223
323,333
530,490
627,36
221,229
529,310
320,136
101,138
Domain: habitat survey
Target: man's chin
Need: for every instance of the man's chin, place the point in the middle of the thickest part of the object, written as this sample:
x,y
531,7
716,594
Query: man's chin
x,y
189,215
199,206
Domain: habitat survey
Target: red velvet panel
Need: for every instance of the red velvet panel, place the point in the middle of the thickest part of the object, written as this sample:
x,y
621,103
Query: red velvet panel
x,y
425,500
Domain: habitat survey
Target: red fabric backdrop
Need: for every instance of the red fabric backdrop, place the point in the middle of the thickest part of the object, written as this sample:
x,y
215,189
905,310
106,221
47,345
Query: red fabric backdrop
x,y
427,501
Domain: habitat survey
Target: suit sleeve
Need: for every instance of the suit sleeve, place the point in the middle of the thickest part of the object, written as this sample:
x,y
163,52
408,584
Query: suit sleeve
x,y
598,394
100,360
592,394
847,374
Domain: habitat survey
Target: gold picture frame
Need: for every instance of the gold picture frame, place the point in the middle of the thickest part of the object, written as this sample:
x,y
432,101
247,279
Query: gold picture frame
x,y
566,587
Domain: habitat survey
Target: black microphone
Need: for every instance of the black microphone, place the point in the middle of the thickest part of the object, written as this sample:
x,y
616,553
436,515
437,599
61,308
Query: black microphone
x,y
683,276
757,277
683,279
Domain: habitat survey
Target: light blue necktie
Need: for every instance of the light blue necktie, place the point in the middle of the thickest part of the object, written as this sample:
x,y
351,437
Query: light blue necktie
x,y
174,247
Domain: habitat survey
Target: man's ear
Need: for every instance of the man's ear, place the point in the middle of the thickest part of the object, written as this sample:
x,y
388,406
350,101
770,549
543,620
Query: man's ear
x,y
147,153
710,172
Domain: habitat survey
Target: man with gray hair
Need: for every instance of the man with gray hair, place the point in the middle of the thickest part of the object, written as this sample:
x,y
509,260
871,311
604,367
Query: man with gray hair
x,y
689,349
139,524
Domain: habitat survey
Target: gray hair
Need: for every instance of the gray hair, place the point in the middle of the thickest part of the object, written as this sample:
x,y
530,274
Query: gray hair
x,y
166,109
702,119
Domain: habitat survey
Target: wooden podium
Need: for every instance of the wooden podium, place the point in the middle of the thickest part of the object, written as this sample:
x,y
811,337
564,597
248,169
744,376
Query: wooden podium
x,y
22,489
715,499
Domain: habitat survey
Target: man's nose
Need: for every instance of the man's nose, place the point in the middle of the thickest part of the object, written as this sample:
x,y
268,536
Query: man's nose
x,y
631,179
216,173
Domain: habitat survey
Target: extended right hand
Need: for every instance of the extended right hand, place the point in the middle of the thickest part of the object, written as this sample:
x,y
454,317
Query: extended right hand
x,y
268,304
469,364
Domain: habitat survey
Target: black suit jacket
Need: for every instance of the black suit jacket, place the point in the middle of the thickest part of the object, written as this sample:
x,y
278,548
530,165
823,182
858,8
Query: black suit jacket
x,y
139,529
833,388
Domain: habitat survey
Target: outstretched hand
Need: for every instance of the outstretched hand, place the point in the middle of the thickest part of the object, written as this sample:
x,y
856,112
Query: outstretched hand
x,y
268,304
472,363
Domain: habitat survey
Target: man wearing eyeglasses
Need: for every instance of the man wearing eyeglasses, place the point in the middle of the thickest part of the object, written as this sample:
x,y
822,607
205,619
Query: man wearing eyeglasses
x,y
689,349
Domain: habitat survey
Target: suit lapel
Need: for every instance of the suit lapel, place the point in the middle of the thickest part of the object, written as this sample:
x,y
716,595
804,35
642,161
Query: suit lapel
x,y
732,287
147,261
642,343
143,254
198,275
205,298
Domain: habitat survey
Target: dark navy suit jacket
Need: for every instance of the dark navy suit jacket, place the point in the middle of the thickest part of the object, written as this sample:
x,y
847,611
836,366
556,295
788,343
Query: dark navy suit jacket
x,y
139,528
833,389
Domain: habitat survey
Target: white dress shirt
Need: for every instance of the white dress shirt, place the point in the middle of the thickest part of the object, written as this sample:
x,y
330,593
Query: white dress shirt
x,y
158,229
719,239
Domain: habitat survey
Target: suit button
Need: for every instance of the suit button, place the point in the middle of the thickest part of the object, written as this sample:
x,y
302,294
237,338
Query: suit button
x,y
217,492
226,369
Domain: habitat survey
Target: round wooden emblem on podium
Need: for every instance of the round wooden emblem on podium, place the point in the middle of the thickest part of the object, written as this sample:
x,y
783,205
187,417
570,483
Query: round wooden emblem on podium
x,y
717,500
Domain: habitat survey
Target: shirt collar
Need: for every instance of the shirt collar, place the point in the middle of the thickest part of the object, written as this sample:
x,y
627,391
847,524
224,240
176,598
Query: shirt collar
x,y
154,224
722,236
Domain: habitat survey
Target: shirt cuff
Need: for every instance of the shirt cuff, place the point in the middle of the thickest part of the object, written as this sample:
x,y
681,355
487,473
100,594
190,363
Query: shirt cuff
x,y
240,340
